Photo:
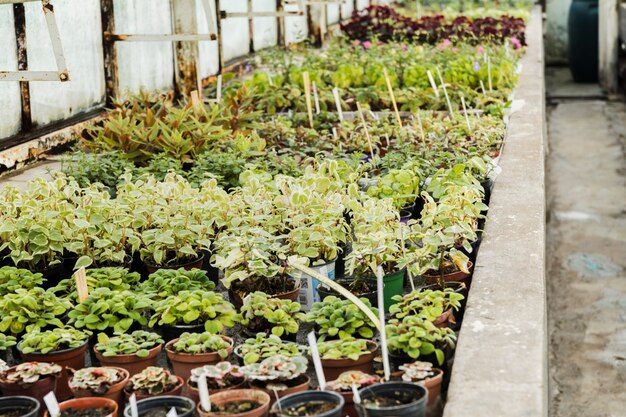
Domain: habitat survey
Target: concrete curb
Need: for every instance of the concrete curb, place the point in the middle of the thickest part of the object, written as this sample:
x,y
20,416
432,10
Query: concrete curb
x,y
500,366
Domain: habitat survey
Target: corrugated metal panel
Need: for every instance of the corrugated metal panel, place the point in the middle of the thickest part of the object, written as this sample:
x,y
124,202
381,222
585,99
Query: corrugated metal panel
x,y
147,65
81,36
235,30
207,49
332,12
10,102
296,29
265,34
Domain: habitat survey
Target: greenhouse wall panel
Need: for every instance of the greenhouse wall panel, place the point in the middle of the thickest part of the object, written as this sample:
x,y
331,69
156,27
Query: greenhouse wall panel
x,y
9,91
333,13
235,31
208,54
265,34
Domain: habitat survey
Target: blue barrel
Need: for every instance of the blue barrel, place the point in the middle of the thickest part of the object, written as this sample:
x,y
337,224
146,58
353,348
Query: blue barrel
x,y
583,40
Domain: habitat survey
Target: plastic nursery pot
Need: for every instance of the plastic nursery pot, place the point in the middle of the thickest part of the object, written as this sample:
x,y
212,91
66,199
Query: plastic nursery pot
x,y
174,391
36,390
195,264
298,384
292,294
308,291
221,399
89,403
19,406
286,406
406,215
115,391
52,274
194,394
68,358
183,363
371,296
132,363
365,363
432,385
412,396
458,276
159,406
393,285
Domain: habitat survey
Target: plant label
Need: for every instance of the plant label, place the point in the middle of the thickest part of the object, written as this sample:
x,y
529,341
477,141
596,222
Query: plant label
x,y
381,314
432,83
52,404
393,97
338,103
80,277
316,98
134,412
307,94
172,412
317,362
203,389
218,93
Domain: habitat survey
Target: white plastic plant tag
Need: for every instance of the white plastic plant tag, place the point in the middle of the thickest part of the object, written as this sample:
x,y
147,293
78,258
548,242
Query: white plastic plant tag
x,y
381,316
432,83
338,103
355,394
172,412
132,401
52,404
80,277
218,93
315,98
319,371
203,389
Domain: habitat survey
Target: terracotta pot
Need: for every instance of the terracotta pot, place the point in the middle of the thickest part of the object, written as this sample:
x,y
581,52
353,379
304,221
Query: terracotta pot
x,y
292,295
132,363
89,403
115,392
195,264
225,397
183,363
348,406
432,385
37,390
184,406
303,386
68,358
457,276
193,393
334,367
174,391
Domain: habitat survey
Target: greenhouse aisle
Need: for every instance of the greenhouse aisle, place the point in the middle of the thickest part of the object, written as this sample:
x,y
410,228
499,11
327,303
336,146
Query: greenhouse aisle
x,y
586,176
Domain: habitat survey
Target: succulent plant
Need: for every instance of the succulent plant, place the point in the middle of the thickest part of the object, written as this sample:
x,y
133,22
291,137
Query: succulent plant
x,y
30,372
137,343
219,376
6,342
264,346
347,379
12,278
262,312
97,380
53,340
415,337
417,371
344,348
337,318
166,282
152,381
31,310
429,304
195,343
274,372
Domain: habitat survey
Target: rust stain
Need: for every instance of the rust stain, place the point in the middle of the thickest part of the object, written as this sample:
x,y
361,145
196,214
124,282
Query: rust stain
x,y
110,52
19,18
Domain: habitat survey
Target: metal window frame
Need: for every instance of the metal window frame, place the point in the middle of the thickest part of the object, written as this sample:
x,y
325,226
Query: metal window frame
x,y
62,72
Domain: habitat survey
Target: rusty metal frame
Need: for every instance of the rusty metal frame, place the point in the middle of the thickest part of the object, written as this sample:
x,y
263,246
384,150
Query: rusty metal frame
x,y
62,73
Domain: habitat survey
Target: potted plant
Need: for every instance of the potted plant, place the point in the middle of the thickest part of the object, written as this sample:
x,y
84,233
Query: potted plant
x,y
63,346
278,375
113,278
310,403
19,406
5,343
403,399
402,186
437,306
347,354
87,407
31,310
192,350
425,374
132,351
110,311
238,402
160,406
153,381
193,311
12,279
105,381
252,350
32,379
167,282
220,377
343,385
361,286
341,319
263,313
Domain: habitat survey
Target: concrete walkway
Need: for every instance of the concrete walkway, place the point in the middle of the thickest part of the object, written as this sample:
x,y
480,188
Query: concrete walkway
x,y
586,190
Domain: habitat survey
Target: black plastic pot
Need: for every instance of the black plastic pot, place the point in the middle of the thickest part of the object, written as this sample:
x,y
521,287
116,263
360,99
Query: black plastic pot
x,y
174,332
19,401
53,275
304,397
417,408
487,185
184,406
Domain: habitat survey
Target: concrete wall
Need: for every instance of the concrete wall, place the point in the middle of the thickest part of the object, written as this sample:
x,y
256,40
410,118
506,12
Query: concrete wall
x,y
556,31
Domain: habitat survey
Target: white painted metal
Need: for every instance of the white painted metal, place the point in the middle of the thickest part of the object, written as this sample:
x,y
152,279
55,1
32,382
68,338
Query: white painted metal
x,y
10,102
235,31
207,55
265,34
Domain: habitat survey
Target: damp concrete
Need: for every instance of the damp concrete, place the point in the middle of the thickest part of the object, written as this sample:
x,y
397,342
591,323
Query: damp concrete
x,y
586,253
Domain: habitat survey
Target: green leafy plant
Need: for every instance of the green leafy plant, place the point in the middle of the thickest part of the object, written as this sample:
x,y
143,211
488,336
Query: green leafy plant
x,y
345,348
347,379
417,337
337,318
401,185
219,376
53,340
31,310
105,168
264,346
196,343
275,372
167,282
106,309
427,304
96,380
113,278
151,381
137,343
195,307
261,312
12,278
6,342
28,373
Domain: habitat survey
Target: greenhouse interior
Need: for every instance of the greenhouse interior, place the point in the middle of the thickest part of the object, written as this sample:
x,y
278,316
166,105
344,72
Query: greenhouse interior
x,y
312,208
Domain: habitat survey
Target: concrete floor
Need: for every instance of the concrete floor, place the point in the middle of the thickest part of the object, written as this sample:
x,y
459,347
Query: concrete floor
x,y
586,259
